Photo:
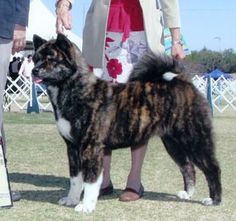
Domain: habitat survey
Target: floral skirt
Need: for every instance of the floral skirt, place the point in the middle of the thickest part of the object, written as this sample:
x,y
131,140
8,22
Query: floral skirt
x,y
120,56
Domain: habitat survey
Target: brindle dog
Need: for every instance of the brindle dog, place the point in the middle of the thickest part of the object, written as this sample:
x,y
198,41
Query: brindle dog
x,y
93,115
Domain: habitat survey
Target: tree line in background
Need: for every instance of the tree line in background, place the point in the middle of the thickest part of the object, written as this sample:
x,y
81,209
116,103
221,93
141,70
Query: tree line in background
x,y
207,60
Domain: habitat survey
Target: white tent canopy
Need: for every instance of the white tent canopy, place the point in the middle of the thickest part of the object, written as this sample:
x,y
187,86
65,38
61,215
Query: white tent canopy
x,y
42,22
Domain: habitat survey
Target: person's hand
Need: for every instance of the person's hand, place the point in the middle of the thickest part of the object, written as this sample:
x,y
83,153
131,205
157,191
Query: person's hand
x,y
64,18
177,51
19,38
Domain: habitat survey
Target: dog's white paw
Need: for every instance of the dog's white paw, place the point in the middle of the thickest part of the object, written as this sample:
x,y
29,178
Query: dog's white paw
x,y
69,201
183,195
85,207
207,202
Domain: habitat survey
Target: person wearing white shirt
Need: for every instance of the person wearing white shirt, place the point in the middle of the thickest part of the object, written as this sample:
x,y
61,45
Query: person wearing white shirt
x,y
26,67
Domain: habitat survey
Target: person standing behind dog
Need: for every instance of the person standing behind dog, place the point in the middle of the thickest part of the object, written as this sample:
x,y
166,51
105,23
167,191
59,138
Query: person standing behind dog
x,y
13,21
116,34
27,67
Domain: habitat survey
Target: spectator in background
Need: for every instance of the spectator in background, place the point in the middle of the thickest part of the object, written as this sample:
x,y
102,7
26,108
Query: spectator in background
x,y
26,67
14,67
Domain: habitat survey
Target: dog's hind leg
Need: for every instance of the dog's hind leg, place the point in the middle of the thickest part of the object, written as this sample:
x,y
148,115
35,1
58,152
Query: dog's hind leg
x,y
76,179
204,158
175,150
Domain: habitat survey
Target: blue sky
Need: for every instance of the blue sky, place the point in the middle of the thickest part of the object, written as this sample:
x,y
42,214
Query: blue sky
x,y
209,23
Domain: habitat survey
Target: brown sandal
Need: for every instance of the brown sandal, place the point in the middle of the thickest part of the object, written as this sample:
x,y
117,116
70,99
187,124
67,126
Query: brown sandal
x,y
130,194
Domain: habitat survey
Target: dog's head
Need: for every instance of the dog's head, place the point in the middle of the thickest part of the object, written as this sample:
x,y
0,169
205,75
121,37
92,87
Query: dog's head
x,y
56,60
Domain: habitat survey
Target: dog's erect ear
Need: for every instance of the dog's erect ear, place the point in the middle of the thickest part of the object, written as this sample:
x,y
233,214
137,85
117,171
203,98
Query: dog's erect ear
x,y
63,43
38,41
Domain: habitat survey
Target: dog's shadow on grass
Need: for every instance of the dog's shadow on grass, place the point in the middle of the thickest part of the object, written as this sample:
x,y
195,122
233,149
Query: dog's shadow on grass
x,y
153,196
49,188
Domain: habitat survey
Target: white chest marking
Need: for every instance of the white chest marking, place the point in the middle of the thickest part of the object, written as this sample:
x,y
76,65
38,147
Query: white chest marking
x,y
64,128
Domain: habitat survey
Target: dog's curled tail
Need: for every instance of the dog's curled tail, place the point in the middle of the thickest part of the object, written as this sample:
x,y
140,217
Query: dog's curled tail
x,y
156,68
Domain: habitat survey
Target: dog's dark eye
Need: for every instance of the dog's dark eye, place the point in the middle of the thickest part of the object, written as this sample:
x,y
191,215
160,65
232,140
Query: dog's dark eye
x,y
51,59
51,56
50,52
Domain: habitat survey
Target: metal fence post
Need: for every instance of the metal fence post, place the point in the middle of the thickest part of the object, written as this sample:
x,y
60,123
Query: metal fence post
x,y
33,105
209,92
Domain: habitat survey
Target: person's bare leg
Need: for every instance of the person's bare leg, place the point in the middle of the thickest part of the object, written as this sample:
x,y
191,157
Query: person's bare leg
x,y
106,171
134,177
137,157
134,189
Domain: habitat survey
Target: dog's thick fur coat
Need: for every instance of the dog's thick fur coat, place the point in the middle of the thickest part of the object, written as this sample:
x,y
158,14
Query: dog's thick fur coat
x,y
93,116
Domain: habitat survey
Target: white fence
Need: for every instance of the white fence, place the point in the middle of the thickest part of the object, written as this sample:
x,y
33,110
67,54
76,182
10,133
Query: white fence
x,y
223,92
18,94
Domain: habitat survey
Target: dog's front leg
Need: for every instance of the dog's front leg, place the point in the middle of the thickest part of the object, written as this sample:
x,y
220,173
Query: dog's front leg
x,y
91,192
92,172
76,178
76,188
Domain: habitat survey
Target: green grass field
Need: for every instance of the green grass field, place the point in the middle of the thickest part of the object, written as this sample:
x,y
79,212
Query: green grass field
x,y
38,168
